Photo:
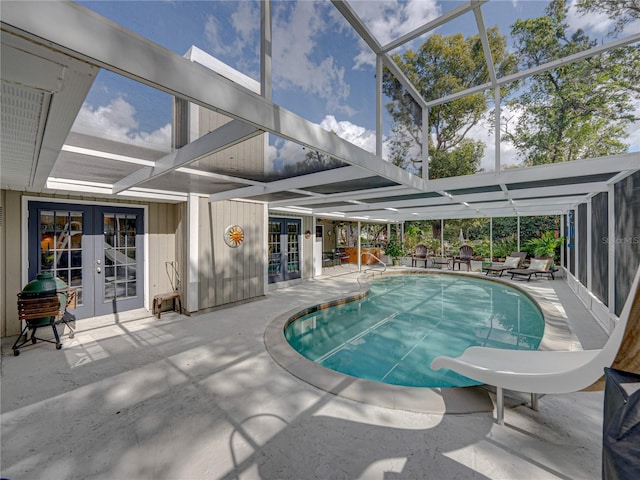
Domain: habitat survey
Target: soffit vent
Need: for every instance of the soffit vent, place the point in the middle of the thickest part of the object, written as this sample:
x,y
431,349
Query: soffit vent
x,y
21,116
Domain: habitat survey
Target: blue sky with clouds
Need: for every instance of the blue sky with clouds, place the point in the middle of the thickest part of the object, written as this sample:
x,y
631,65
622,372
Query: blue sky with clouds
x,y
321,69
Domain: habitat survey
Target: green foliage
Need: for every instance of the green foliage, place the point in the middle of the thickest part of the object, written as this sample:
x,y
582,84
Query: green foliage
x,y
463,160
579,109
544,246
314,161
503,248
482,248
441,66
394,250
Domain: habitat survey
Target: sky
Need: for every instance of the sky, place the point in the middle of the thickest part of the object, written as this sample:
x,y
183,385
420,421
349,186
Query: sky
x,y
322,71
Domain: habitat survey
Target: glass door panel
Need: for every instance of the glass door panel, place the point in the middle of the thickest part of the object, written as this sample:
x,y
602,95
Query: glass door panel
x,y
284,249
293,244
96,250
118,286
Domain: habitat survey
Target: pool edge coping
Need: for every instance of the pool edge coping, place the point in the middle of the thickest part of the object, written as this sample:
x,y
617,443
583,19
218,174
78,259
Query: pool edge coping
x,y
453,400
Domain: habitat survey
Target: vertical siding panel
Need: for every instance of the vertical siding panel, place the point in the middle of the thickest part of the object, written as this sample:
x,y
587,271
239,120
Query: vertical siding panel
x,y
219,265
227,287
12,266
253,244
205,254
180,246
161,248
243,262
152,255
203,246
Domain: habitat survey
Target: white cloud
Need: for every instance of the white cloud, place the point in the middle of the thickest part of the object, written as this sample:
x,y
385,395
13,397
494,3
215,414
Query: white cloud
x,y
117,121
241,39
597,23
296,60
287,152
390,19
359,136
633,130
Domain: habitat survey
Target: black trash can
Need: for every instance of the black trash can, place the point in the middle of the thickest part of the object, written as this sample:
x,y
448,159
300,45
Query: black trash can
x,y
621,426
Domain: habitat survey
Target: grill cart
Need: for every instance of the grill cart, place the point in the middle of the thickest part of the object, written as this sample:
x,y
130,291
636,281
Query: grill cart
x,y
44,303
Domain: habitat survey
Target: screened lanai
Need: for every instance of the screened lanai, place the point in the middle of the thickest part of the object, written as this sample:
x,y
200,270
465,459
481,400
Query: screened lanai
x,y
154,147
310,127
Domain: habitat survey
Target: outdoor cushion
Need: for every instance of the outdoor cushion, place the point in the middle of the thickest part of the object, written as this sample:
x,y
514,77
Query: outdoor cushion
x,y
539,264
512,262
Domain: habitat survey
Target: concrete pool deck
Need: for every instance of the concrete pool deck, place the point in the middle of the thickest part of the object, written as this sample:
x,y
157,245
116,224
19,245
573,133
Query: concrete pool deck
x,y
200,397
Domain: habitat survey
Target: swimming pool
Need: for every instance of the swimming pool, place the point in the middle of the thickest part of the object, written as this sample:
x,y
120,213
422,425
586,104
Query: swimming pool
x,y
392,334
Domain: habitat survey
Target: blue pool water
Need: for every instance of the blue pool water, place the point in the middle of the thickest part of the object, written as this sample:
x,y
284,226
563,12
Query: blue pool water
x,y
393,334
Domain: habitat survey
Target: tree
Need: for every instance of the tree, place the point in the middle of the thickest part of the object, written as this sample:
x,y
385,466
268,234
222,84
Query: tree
x,y
314,161
578,110
441,66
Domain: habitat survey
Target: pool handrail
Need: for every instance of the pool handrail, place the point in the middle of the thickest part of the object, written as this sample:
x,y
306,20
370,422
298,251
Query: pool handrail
x,y
542,372
384,265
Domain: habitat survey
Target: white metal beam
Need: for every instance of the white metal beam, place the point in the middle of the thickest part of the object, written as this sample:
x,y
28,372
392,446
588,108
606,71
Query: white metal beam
x,y
358,25
540,68
229,134
88,36
300,182
427,27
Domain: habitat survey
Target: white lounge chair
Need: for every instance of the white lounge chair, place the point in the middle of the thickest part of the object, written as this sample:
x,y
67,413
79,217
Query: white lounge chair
x,y
542,371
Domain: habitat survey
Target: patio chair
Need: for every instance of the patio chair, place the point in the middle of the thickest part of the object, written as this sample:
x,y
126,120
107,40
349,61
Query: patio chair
x,y
543,372
512,261
419,254
537,266
464,257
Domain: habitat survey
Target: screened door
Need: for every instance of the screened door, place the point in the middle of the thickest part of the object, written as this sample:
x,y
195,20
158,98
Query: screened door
x,y
95,249
284,249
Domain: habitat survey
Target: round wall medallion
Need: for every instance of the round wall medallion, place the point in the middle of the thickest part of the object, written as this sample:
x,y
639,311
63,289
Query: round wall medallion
x,y
233,235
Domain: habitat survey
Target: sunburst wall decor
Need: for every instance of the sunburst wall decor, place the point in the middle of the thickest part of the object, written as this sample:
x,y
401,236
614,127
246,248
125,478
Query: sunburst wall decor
x,y
233,236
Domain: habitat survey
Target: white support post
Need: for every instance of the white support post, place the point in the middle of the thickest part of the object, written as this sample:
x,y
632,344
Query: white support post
x,y
518,232
562,230
379,105
491,239
193,250
500,405
359,249
496,128
425,145
576,243
265,49
442,238
534,402
313,249
589,245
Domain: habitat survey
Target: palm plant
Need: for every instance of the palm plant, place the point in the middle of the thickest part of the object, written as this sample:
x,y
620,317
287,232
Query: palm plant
x,y
545,245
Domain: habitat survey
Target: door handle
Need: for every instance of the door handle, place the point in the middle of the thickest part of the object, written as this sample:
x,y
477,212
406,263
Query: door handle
x,y
98,270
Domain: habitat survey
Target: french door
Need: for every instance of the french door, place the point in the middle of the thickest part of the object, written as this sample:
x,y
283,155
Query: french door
x,y
98,250
284,249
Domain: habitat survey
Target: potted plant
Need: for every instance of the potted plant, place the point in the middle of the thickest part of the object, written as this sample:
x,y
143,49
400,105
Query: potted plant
x,y
394,251
545,245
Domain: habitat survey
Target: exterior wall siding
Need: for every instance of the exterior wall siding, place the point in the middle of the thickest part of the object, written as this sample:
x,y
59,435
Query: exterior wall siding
x,y
163,220
228,275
